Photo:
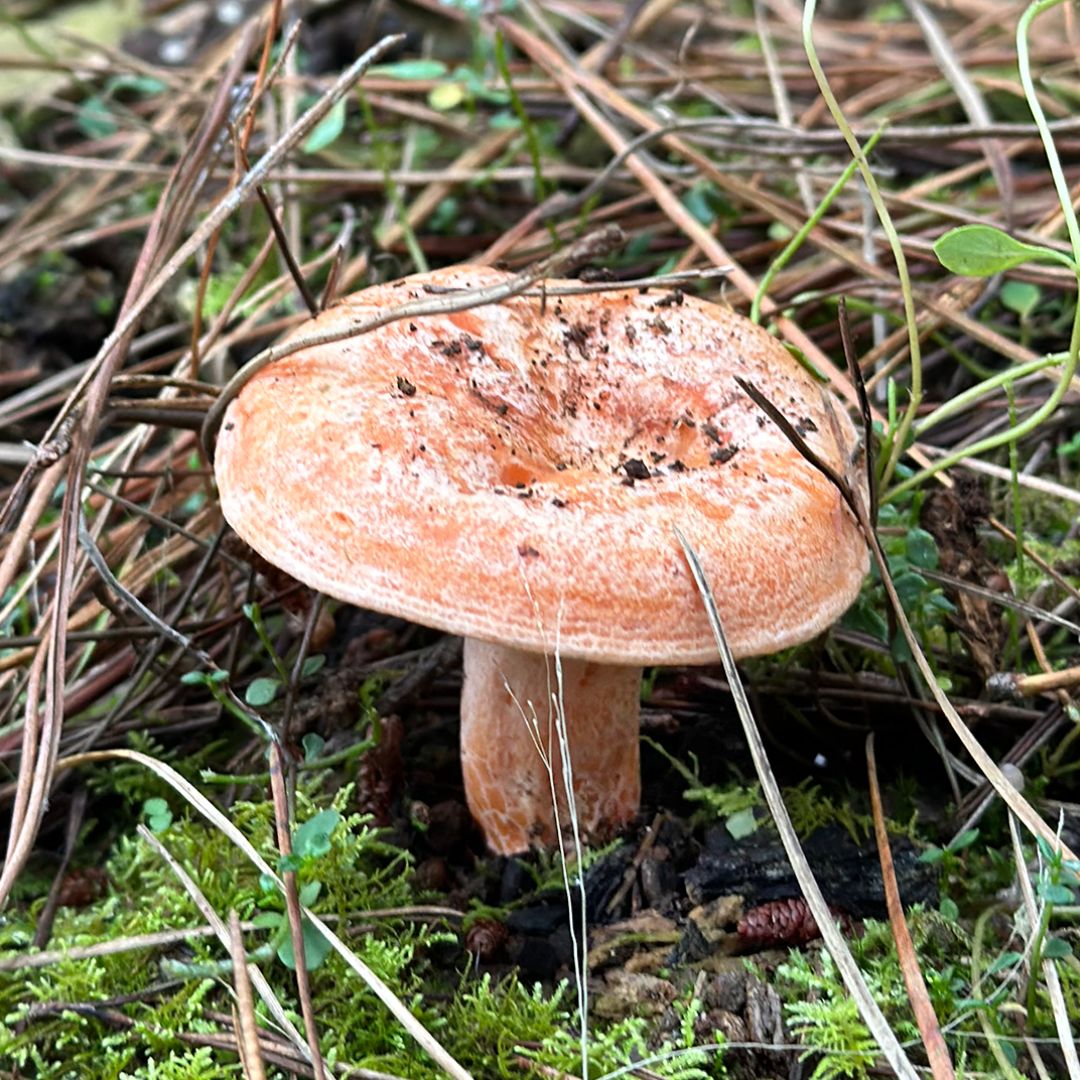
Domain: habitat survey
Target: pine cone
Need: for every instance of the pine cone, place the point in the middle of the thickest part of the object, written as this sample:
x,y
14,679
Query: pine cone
x,y
381,773
782,922
486,937
82,886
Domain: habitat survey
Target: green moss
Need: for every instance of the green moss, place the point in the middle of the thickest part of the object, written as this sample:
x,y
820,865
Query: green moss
x,y
134,1014
122,1021
819,1010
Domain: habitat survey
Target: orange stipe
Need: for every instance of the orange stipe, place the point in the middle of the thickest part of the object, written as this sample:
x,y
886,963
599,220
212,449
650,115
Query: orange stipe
x,y
510,753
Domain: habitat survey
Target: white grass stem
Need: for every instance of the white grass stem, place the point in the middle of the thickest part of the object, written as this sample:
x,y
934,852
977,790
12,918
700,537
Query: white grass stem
x,y
845,963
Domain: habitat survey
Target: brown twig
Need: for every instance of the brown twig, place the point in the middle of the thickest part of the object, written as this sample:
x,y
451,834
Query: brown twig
x,y
247,1028
933,1041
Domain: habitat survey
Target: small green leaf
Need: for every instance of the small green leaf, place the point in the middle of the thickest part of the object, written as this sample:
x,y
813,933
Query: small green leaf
x,y
909,587
1046,851
139,84
267,920
863,618
316,948
889,12
932,855
313,745
1054,894
1005,960
1070,446
479,88
982,250
326,130
503,121
411,70
311,665
313,837
942,603
194,678
741,824
921,550
965,839
289,864
698,200
899,648
949,910
1056,949
158,815
1021,297
95,118
310,893
261,692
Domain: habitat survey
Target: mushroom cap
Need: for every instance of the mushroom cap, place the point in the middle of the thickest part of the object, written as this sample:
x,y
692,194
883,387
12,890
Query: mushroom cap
x,y
515,473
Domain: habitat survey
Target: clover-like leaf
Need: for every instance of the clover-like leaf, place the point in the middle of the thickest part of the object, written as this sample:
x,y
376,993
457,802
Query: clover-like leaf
x,y
313,837
261,692
316,948
158,815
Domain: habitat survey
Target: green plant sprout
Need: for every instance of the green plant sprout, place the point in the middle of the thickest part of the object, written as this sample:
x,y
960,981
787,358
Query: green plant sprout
x,y
310,842
734,805
1056,887
896,442
158,815
799,238
383,151
984,250
528,128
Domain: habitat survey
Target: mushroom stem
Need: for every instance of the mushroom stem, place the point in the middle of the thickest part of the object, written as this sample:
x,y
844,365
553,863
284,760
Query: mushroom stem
x,y
507,783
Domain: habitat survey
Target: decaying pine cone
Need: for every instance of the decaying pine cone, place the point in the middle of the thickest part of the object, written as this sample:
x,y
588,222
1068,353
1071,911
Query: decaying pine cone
x,y
82,886
381,773
783,922
486,937
296,599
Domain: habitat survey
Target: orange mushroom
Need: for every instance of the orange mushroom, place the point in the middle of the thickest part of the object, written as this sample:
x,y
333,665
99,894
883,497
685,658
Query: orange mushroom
x,y
513,473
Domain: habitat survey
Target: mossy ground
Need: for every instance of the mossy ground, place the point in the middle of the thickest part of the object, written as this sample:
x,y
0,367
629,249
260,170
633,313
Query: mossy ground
x,y
443,155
